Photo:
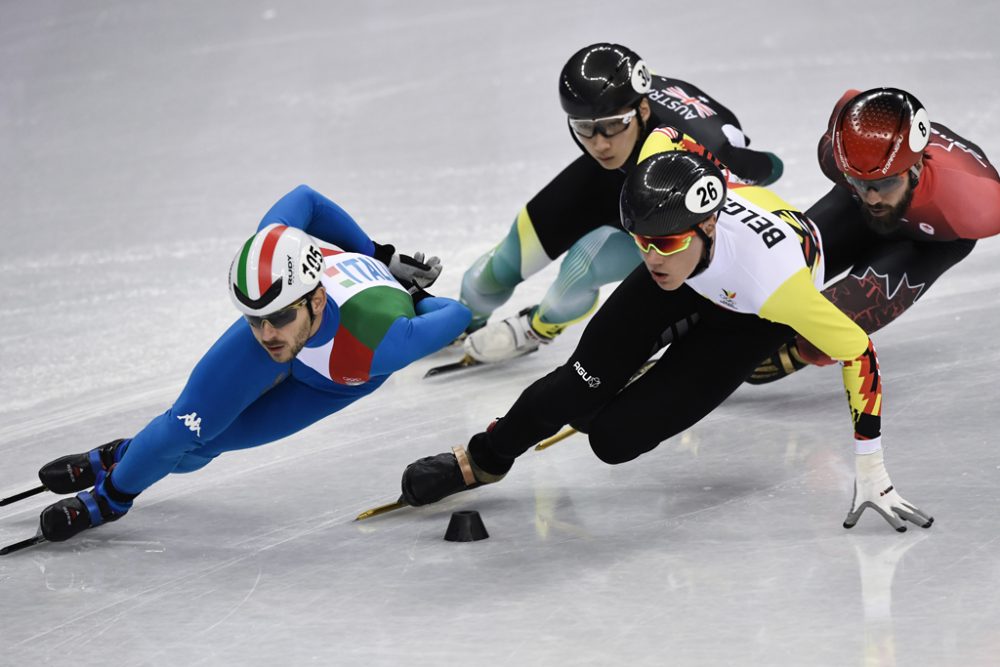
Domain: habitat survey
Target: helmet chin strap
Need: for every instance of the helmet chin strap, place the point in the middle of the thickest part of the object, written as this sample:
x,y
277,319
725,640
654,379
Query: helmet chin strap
x,y
640,138
706,253
309,306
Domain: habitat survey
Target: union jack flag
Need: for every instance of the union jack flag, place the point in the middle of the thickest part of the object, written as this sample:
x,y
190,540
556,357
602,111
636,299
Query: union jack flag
x,y
695,103
669,131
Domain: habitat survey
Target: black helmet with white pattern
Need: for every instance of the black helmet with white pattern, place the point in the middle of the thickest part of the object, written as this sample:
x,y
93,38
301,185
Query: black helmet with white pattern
x,y
669,193
600,79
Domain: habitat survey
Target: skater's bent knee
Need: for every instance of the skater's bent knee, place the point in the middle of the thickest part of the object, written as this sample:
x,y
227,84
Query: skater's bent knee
x,y
192,462
613,444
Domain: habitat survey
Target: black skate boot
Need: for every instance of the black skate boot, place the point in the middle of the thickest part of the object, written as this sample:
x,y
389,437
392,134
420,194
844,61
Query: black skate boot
x,y
87,509
76,472
432,478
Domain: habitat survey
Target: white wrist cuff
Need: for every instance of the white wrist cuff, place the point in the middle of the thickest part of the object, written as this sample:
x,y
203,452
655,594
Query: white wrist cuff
x,y
862,447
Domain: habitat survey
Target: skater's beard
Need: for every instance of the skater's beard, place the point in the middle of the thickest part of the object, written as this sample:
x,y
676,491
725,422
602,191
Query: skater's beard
x,y
884,219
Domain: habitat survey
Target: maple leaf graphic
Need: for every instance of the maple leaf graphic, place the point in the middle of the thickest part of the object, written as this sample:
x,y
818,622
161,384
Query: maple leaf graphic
x,y
871,301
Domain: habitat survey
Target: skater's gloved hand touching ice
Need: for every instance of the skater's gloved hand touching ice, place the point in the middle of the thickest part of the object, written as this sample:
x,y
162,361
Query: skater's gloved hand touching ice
x,y
873,488
410,271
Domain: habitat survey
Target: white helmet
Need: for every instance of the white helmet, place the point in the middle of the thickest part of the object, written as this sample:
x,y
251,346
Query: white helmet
x,y
276,267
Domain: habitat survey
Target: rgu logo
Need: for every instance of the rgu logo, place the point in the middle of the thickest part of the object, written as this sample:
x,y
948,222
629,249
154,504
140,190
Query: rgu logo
x,y
591,380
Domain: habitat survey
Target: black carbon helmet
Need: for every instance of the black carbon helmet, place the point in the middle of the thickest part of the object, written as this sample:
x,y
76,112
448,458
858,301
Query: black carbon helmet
x,y
669,193
602,78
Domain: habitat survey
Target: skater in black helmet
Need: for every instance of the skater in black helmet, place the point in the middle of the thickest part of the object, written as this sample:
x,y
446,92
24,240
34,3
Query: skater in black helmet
x,y
744,262
613,103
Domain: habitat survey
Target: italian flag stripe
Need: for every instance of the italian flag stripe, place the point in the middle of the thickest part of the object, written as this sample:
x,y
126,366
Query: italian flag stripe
x,y
370,313
264,279
241,272
352,360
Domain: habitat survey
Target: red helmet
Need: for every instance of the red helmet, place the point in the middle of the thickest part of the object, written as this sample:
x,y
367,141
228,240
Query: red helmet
x,y
880,133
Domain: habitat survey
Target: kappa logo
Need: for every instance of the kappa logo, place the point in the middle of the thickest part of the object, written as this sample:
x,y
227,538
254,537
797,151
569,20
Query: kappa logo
x,y
192,421
591,380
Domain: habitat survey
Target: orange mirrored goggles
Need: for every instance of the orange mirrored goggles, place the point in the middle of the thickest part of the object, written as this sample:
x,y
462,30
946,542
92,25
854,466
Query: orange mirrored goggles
x,y
664,245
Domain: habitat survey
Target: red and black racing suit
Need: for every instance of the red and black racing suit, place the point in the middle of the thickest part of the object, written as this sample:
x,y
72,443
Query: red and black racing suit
x,y
956,201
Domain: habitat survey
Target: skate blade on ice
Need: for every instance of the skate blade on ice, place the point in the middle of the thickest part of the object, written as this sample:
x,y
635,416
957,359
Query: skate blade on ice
x,y
381,509
465,362
468,362
558,437
23,544
21,496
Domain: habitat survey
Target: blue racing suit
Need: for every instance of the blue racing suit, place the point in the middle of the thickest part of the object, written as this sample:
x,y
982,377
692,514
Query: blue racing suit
x,y
238,397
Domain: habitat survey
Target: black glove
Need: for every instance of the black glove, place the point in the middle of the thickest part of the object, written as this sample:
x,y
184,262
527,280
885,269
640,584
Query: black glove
x,y
418,294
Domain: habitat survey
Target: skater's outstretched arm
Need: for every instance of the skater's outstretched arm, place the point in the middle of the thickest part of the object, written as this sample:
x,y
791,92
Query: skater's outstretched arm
x,y
799,304
437,323
308,210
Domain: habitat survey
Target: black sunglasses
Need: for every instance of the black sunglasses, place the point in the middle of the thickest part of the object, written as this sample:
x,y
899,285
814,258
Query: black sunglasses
x,y
280,319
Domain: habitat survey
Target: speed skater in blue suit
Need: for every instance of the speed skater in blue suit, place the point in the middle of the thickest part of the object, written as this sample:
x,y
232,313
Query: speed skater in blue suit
x,y
327,316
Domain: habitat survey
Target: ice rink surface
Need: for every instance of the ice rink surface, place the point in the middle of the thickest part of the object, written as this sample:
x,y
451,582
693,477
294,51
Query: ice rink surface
x,y
141,141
